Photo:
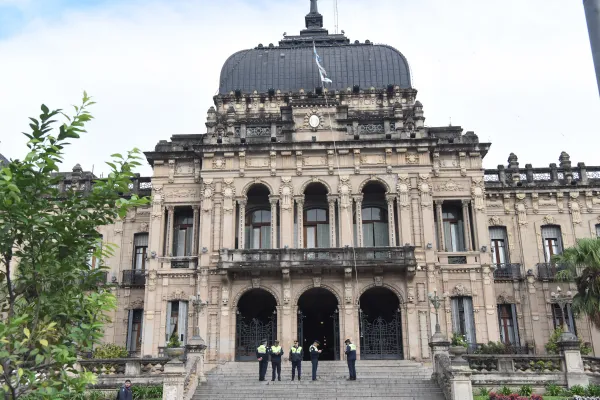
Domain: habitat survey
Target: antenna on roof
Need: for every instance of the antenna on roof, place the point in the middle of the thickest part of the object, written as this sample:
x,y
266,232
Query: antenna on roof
x,y
335,15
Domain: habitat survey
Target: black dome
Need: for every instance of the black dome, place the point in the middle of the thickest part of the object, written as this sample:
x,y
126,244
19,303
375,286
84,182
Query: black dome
x,y
289,68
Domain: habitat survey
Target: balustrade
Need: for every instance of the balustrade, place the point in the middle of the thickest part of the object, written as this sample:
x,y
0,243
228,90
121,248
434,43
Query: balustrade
x,y
507,272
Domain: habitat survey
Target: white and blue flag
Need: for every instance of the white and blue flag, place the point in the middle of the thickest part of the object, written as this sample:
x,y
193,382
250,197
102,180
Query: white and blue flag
x,y
322,71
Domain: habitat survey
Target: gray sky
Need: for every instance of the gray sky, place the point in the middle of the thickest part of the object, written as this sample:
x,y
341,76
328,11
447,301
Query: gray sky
x,y
518,73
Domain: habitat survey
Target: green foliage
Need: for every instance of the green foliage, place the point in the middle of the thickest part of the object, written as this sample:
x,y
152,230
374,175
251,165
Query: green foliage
x,y
108,350
593,390
525,390
54,305
459,340
505,390
147,392
553,389
483,392
582,265
577,390
174,341
552,345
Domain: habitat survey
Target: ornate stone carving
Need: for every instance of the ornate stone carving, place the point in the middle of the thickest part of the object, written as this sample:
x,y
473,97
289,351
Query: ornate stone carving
x,y
242,162
287,285
575,209
412,158
495,221
478,192
378,280
410,296
504,298
218,163
521,213
273,162
506,198
460,290
152,275
196,170
207,194
449,186
184,168
344,189
589,201
357,161
462,162
182,194
403,188
314,161
330,161
171,171
560,202
228,195
436,164
316,281
535,202
425,190
177,294
118,226
257,162
255,283
224,289
549,220
348,285
313,120
144,227
373,159
286,193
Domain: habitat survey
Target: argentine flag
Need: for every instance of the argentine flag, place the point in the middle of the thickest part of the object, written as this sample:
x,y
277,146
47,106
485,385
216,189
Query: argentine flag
x,y
322,71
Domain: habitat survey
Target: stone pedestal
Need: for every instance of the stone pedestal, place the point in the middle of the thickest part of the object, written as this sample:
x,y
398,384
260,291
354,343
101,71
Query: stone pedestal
x,y
569,348
174,378
461,382
439,344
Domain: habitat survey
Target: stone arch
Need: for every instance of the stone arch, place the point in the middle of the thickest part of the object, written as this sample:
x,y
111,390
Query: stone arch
x,y
393,288
257,182
315,180
247,288
312,286
375,179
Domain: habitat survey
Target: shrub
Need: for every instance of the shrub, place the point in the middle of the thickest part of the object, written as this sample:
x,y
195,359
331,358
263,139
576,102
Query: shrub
x,y
108,351
593,390
483,392
174,341
505,391
553,389
459,340
552,345
147,392
577,390
525,390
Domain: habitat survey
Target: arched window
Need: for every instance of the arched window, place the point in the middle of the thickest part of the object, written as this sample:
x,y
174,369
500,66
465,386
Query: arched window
x,y
375,227
258,229
316,228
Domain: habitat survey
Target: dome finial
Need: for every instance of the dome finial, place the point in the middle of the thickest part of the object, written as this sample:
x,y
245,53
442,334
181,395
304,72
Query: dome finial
x,y
314,20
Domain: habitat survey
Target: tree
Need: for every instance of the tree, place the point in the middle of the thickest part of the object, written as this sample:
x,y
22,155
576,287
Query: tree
x,y
582,264
53,303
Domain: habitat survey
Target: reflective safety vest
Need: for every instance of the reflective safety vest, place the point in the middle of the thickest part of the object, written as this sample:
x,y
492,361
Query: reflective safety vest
x,y
275,349
313,348
352,347
262,349
296,350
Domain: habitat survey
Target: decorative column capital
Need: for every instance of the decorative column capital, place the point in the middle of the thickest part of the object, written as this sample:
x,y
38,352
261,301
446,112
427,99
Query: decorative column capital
x,y
195,207
170,208
332,198
390,197
242,201
438,202
299,199
465,202
273,200
358,198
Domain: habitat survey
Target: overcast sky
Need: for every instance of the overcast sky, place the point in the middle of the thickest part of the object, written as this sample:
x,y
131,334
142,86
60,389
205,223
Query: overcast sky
x,y
518,73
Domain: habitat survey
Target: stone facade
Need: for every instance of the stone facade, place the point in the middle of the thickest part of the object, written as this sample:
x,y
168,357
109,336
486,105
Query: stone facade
x,y
231,216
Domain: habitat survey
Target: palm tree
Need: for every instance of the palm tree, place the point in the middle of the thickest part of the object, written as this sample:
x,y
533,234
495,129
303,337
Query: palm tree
x,y
582,264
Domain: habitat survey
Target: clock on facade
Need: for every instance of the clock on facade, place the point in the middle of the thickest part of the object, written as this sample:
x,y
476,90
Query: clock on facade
x,y
314,121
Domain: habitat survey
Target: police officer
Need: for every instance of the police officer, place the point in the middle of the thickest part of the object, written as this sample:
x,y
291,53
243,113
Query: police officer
x,y
263,360
276,352
296,355
314,358
351,358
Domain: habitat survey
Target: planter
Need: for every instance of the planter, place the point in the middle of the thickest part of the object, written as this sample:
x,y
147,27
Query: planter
x,y
174,352
457,352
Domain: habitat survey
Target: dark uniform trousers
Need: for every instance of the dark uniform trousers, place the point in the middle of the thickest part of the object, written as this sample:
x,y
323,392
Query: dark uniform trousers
x,y
276,366
352,368
296,364
263,365
315,364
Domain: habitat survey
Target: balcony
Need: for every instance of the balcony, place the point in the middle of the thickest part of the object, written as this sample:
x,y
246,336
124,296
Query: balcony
x,y
395,258
134,277
507,272
548,271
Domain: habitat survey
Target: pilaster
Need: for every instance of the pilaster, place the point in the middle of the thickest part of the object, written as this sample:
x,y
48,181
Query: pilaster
x,y
300,220
274,227
359,232
332,222
390,198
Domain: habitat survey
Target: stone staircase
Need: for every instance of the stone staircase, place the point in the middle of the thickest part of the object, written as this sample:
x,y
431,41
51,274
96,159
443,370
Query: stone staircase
x,y
397,379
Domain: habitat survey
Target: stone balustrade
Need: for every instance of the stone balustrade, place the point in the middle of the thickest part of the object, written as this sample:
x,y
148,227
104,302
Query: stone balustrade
x,y
514,363
113,372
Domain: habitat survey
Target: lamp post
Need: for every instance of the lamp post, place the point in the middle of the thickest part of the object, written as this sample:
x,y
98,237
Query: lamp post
x,y
198,305
562,299
436,301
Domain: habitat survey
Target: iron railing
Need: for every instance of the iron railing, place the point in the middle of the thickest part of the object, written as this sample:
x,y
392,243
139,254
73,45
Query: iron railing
x,y
507,272
548,271
134,277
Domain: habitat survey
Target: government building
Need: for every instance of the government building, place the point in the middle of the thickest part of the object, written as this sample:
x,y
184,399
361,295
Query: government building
x,y
318,211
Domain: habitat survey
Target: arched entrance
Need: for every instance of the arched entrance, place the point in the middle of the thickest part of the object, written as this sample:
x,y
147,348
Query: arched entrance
x,y
256,319
318,319
380,325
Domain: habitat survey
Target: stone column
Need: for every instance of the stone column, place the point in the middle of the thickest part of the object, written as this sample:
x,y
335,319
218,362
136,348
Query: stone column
x,y
195,230
300,220
359,232
332,226
440,224
345,223
391,219
569,349
242,223
285,317
475,227
160,245
286,216
171,222
467,224
274,227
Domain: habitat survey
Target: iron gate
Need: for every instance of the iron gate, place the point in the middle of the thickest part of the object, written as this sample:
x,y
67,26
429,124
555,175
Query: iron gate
x,y
380,339
249,334
336,335
301,327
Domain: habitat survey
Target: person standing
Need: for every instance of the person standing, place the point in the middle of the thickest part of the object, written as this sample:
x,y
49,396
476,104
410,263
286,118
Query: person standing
x,y
276,352
125,392
263,360
314,358
351,358
296,355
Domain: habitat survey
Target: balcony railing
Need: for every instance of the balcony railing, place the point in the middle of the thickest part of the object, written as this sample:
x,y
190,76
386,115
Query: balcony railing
x,y
325,257
548,271
134,277
507,272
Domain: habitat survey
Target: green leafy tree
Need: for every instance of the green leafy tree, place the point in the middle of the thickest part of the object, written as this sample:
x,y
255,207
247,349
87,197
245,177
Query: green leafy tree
x,y
582,264
53,303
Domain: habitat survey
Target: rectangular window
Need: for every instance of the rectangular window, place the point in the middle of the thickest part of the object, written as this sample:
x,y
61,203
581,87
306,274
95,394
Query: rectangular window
x,y
463,320
507,322
177,320
140,250
183,232
557,316
499,245
134,331
454,229
552,241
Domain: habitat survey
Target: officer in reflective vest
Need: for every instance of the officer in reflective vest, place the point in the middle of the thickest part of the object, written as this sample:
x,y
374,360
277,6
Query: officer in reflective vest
x,y
314,358
263,360
296,355
351,358
276,351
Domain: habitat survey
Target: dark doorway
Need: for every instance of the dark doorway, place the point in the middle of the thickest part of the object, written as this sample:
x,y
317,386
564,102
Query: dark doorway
x,y
256,319
380,325
318,319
